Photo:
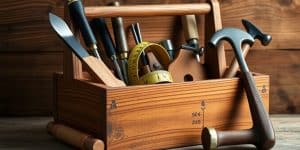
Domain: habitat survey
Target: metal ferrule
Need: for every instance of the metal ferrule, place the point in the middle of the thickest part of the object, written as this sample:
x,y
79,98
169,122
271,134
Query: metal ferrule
x,y
213,138
193,43
123,55
94,48
71,1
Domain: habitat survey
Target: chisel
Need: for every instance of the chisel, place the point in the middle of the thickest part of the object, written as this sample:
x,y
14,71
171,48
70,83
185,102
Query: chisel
x,y
191,35
121,42
101,26
79,19
96,67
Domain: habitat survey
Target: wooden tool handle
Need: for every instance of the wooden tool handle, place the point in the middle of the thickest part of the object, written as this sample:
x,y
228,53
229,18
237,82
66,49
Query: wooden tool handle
x,y
101,73
234,66
147,10
74,137
190,27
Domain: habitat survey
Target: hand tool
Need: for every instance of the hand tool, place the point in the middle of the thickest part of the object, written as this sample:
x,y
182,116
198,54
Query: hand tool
x,y
151,77
101,26
121,42
74,137
262,133
79,19
154,64
167,44
136,31
265,39
191,35
138,53
185,67
148,58
96,67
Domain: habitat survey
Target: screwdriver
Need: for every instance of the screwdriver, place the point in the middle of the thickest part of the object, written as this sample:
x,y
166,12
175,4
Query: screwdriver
x,y
121,42
106,39
79,19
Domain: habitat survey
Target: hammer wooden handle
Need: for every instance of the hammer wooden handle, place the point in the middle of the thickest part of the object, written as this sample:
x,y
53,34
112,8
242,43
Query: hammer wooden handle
x,y
74,137
147,10
234,66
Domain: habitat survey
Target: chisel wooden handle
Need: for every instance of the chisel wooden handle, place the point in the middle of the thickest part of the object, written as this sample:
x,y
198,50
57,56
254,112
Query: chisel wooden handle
x,y
190,27
74,137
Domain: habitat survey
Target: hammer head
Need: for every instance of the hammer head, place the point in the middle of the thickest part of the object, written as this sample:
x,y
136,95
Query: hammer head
x,y
265,39
235,37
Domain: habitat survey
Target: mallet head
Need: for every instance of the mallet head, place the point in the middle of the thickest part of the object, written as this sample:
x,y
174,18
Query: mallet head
x,y
255,32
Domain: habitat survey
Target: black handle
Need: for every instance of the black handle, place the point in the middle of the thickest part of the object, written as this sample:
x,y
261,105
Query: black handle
x,y
79,19
106,39
119,33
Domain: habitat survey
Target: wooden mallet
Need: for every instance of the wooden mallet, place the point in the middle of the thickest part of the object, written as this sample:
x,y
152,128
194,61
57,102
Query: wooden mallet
x,y
256,33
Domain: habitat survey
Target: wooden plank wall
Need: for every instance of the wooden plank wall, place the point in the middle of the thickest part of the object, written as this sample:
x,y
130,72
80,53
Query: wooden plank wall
x,y
30,52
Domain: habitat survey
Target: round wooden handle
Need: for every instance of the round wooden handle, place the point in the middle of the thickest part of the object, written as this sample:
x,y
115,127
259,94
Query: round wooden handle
x,y
147,10
74,137
211,139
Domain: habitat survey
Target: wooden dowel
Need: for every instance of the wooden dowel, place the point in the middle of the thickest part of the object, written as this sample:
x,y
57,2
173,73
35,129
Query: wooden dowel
x,y
234,66
147,10
74,137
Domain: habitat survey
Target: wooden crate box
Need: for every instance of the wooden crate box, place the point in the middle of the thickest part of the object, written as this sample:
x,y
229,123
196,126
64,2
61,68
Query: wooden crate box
x,y
173,115
154,116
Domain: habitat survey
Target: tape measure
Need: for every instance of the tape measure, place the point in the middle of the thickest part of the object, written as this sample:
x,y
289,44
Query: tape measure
x,y
158,76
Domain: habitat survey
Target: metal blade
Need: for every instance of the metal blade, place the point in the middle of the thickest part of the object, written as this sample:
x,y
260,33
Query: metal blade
x,y
64,32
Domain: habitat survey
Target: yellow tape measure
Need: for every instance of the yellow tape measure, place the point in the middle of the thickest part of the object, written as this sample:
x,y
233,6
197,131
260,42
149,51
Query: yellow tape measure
x,y
158,76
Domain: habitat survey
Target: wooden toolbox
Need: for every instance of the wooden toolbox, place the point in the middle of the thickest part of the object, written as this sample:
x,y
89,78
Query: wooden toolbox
x,y
154,116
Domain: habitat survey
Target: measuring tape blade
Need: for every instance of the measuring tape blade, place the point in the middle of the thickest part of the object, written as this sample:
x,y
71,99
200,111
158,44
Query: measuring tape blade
x,y
158,76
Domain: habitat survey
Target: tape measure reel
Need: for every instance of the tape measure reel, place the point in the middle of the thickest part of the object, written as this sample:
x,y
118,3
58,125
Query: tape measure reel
x,y
158,76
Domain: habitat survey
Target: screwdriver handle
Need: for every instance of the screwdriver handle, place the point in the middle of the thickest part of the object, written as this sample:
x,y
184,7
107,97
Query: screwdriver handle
x,y
79,19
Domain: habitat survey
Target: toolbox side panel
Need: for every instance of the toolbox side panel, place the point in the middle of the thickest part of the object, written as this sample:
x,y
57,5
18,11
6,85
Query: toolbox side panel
x,y
173,115
81,105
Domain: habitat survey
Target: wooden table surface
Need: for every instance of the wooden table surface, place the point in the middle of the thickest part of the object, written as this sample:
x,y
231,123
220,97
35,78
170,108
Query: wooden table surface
x,y
30,134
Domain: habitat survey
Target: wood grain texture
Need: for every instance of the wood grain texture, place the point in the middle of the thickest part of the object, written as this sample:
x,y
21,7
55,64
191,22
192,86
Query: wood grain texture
x,y
137,119
195,71
147,10
15,131
26,84
88,105
24,30
279,18
74,137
